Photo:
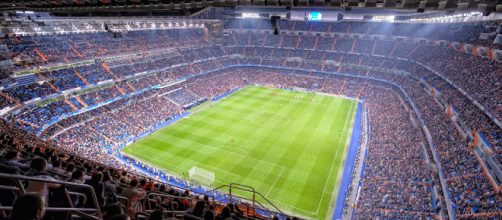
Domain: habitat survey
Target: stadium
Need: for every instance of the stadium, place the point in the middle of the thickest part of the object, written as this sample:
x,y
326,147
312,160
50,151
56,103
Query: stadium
x,y
158,109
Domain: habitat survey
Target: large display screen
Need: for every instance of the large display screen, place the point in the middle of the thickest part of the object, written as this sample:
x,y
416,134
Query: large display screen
x,y
314,16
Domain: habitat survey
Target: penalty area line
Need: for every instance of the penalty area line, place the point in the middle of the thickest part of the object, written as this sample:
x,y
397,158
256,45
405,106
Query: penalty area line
x,y
275,182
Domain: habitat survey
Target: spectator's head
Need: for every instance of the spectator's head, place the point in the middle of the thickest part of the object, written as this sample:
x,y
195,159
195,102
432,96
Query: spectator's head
x,y
231,207
89,168
199,208
208,215
12,155
225,212
28,207
134,183
77,175
97,177
56,163
70,168
162,188
37,151
156,215
39,164
54,158
107,177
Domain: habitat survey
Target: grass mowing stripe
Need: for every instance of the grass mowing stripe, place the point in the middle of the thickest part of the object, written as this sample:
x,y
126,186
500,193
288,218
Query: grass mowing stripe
x,y
335,159
285,144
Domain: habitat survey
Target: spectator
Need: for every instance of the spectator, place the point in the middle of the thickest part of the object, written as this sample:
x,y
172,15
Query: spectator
x,y
56,167
225,214
11,158
209,215
119,217
39,170
99,189
70,168
156,215
198,210
134,194
28,207
110,185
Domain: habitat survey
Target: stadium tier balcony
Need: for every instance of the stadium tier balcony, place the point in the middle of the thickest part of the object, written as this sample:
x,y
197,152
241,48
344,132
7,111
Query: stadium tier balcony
x,y
52,49
457,32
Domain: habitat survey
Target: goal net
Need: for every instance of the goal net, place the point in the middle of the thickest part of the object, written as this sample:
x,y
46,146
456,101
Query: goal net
x,y
201,176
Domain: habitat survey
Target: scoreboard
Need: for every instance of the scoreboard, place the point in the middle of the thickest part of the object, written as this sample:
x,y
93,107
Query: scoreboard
x,y
313,16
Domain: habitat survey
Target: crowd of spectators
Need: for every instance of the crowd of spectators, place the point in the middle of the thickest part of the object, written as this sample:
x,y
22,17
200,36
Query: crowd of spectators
x,y
183,97
459,32
120,194
54,49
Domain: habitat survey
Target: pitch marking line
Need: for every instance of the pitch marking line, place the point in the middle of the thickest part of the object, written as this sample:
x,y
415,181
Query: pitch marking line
x,y
275,182
291,208
215,168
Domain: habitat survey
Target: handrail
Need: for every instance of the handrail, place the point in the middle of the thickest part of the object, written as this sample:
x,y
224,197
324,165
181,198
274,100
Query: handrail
x,y
253,199
192,216
168,196
147,214
78,210
151,197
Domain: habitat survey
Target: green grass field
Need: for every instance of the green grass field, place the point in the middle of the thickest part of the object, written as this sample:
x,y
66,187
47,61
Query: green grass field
x,y
290,146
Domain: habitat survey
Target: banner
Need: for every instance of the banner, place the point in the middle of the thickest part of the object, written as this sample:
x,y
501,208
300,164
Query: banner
x,y
475,138
449,111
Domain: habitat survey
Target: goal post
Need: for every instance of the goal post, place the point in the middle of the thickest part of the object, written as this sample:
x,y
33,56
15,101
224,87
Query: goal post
x,y
201,176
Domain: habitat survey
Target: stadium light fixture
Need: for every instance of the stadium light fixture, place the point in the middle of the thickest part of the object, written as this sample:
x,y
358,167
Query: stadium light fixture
x,y
250,15
447,18
383,18
25,12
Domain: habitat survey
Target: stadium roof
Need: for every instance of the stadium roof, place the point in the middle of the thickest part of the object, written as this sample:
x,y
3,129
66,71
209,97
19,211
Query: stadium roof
x,y
167,6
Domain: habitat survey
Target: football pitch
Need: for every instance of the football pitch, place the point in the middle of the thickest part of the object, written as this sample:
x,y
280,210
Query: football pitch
x,y
290,146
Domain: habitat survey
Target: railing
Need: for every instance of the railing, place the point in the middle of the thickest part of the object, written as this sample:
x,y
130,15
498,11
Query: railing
x,y
255,204
85,213
152,198
172,214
